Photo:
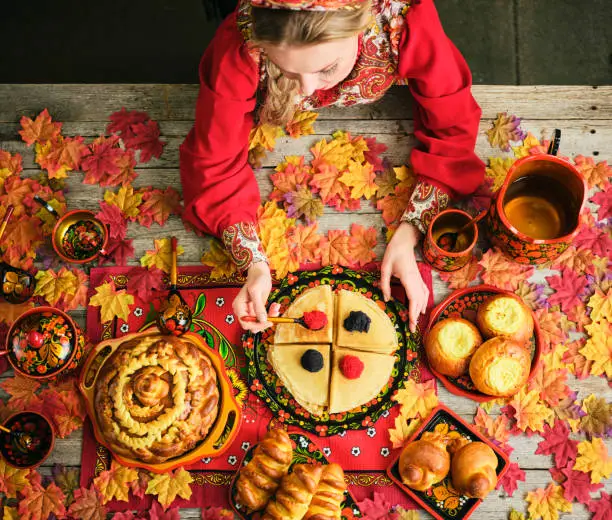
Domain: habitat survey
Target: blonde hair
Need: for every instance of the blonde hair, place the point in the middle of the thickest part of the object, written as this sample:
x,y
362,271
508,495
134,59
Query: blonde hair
x,y
287,27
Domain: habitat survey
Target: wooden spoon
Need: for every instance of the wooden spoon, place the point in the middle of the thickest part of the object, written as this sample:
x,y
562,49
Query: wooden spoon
x,y
448,240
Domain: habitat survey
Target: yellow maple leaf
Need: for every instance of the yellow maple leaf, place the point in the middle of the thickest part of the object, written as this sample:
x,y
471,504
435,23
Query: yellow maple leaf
x,y
5,173
337,152
223,266
546,503
52,286
531,141
593,457
161,256
10,513
489,405
601,305
168,486
360,178
515,515
417,399
42,150
125,199
498,169
598,348
265,135
112,303
12,480
530,412
403,429
406,514
115,482
302,123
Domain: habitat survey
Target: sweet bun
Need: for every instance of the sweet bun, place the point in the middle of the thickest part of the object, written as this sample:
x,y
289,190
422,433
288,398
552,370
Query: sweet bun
x,y
507,316
473,470
425,462
450,345
500,367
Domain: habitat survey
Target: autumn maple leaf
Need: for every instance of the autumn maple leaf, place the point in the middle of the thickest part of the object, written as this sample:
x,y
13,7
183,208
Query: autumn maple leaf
x,y
143,283
126,199
360,178
557,443
501,272
66,153
602,507
569,288
386,182
122,120
114,219
530,413
394,205
12,480
598,416
11,162
87,505
602,198
463,277
498,170
551,384
594,239
115,482
160,204
416,399
376,508
67,479
145,137
157,513
22,392
495,429
601,306
102,162
170,485
510,477
595,174
574,259
546,503
402,431
593,458
578,486
301,123
221,262
304,243
303,203
325,181
52,286
288,175
112,303
362,244
39,503
372,154
217,513
335,248
39,130
551,328
161,256
118,251
506,128
598,348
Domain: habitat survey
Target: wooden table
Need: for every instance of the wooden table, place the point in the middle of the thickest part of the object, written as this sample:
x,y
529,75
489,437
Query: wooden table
x,y
583,113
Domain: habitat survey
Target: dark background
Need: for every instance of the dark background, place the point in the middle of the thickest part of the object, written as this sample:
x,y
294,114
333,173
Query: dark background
x,y
161,41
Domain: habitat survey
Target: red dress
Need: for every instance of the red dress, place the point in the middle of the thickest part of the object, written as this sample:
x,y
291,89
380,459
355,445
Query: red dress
x,y
406,43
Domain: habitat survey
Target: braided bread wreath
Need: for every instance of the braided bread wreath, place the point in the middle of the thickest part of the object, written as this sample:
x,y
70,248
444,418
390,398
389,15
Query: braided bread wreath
x,y
156,397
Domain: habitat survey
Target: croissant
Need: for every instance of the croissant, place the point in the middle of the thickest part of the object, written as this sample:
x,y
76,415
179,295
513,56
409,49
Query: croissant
x,y
473,470
425,462
296,491
325,505
260,478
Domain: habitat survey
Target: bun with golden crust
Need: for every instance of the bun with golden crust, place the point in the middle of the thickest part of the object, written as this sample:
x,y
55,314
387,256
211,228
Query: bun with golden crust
x,y
500,367
506,316
261,477
424,462
326,503
473,470
450,345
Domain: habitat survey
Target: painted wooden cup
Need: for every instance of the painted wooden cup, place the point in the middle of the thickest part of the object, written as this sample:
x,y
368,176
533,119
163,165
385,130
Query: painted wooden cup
x,y
30,442
448,221
536,213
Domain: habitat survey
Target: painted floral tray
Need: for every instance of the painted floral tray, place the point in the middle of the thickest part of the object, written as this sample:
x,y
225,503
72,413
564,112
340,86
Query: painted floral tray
x,y
305,451
464,303
266,385
442,500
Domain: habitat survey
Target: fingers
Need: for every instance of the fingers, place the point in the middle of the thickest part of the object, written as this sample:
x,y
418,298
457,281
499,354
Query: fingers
x,y
385,282
274,310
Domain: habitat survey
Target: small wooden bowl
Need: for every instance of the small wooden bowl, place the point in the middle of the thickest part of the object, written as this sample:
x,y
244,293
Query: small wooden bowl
x,y
34,424
219,438
464,303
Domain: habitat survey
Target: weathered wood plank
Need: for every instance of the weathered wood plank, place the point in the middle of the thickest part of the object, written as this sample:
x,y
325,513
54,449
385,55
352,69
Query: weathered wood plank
x,y
577,138
74,102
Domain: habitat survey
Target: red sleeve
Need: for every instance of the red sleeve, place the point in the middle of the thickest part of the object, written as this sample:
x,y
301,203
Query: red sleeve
x,y
446,116
219,186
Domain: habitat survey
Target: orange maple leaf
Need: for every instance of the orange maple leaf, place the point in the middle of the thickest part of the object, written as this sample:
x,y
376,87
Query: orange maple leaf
x,y
495,429
66,153
160,204
18,192
362,244
551,328
12,480
576,260
550,384
87,505
39,503
595,174
462,277
417,399
39,130
337,152
326,181
13,163
394,205
9,312
22,391
501,272
79,298
402,431
302,123
24,235
335,248
115,482
304,243
546,503
289,174
530,412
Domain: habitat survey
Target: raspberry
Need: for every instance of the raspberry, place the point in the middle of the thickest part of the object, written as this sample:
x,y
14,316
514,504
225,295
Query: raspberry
x,y
351,367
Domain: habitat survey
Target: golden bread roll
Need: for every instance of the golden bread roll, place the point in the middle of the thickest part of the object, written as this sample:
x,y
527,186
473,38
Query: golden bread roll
x,y
500,367
450,345
260,478
473,470
506,316
325,505
425,462
295,493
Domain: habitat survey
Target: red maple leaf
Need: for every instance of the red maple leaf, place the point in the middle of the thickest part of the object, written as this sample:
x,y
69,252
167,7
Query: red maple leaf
x,y
376,508
595,239
143,282
604,200
373,153
112,216
557,442
146,139
508,481
118,251
102,162
577,485
157,512
122,120
217,513
569,288
602,507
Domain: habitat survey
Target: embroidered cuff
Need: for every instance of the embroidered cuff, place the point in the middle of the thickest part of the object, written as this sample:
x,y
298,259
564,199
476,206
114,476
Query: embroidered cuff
x,y
242,243
425,203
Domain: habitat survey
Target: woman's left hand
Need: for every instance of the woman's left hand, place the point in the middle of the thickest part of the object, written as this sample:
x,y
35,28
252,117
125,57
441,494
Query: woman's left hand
x,y
399,261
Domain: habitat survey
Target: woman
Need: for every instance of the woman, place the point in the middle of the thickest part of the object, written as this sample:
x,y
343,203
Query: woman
x,y
272,57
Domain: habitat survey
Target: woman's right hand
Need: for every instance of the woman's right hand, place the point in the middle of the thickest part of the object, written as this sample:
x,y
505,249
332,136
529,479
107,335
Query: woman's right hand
x,y
252,298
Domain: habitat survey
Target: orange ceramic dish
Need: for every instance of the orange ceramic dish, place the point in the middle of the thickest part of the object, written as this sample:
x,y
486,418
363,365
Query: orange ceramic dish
x,y
219,438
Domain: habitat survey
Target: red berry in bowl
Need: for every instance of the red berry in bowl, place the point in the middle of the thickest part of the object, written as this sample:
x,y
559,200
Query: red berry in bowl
x,y
35,339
